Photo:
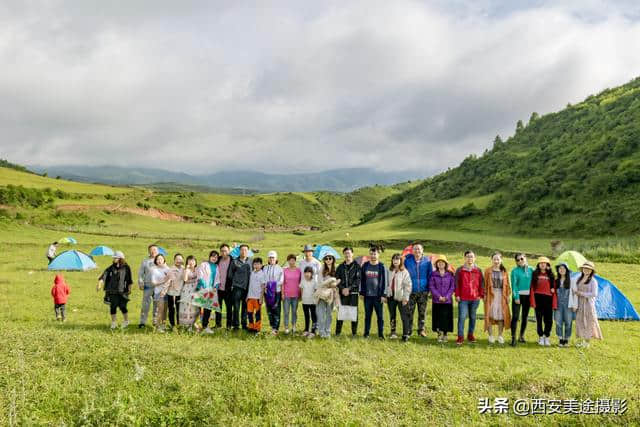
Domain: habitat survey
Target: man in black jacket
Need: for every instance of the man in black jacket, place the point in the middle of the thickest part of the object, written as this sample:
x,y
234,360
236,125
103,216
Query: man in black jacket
x,y
349,274
238,278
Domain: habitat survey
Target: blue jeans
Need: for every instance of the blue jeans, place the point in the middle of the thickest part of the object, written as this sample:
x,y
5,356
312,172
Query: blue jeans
x,y
467,309
370,304
563,317
290,305
323,312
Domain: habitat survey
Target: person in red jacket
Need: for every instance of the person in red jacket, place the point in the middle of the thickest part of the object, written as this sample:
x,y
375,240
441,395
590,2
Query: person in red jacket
x,y
60,292
469,291
543,298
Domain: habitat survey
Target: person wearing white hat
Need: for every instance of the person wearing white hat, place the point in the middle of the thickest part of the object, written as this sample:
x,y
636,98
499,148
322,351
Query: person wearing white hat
x,y
117,287
273,297
585,289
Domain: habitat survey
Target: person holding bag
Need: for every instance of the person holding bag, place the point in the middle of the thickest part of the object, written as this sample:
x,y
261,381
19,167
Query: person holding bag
x,y
349,275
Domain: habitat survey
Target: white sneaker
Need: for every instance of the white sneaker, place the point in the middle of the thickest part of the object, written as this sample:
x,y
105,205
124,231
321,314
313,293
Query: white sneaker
x,y
500,339
491,339
547,342
114,325
286,331
293,331
541,341
445,338
160,329
208,330
125,324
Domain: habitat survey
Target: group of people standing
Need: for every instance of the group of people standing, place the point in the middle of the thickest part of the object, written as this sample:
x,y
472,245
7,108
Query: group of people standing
x,y
187,292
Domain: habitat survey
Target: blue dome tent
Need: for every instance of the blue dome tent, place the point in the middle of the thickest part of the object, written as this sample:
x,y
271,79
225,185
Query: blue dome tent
x,y
72,260
101,251
611,304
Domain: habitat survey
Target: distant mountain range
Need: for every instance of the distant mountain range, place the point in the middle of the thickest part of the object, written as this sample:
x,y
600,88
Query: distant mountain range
x,y
342,180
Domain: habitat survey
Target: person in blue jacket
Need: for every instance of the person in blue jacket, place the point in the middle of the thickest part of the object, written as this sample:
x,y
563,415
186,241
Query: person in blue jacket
x,y
372,290
420,270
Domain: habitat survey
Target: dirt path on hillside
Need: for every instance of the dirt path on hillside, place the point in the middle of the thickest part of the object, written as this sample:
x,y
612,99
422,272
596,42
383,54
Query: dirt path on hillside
x,y
151,212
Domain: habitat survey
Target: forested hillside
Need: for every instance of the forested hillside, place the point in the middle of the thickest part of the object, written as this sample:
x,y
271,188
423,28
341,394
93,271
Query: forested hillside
x,y
576,171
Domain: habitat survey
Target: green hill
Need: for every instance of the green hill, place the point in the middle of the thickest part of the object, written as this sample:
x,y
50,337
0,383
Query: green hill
x,y
41,200
574,172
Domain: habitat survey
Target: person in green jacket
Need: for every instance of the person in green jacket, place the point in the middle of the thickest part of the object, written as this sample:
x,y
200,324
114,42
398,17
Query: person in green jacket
x,y
520,285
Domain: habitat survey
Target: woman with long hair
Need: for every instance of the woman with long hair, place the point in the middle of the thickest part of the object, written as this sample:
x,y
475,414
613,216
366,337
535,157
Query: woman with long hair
x,y
496,298
586,290
543,298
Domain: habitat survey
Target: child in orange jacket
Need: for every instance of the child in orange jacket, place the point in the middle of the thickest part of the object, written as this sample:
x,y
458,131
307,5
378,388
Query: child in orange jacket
x,y
60,292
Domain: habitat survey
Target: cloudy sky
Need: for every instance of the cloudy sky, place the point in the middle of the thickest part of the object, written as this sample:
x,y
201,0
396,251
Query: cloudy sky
x,y
289,86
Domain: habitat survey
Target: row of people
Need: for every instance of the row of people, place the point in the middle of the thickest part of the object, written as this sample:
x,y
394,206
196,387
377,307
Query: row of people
x,y
188,292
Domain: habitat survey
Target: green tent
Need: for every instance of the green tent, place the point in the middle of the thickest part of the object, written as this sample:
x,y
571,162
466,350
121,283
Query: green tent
x,y
573,259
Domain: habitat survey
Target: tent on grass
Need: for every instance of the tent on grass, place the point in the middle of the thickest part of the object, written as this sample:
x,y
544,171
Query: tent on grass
x,y
72,260
101,251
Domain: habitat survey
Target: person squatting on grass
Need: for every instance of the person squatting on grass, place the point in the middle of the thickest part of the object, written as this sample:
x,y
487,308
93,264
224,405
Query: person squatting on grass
x,y
563,315
543,299
60,292
420,270
117,282
497,296
292,276
145,285
308,286
442,284
372,291
469,291
255,296
273,293
349,274
520,286
398,293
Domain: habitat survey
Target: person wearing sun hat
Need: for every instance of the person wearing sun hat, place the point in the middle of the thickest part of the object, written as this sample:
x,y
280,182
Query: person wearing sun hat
x,y
543,298
117,287
310,261
585,289
442,284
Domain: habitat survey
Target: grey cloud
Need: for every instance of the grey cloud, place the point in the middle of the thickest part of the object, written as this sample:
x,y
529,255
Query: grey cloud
x,y
295,86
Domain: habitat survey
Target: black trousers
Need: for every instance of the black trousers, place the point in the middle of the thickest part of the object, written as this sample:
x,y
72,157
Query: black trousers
x,y
117,301
239,307
224,297
371,304
174,308
352,300
516,309
274,312
544,314
309,311
405,315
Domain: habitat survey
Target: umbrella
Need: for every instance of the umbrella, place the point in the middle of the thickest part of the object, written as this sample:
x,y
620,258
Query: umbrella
x,y
573,259
101,251
323,250
72,260
70,240
235,252
162,251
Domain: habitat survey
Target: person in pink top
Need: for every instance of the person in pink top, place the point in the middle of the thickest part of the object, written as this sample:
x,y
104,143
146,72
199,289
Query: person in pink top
x,y
291,292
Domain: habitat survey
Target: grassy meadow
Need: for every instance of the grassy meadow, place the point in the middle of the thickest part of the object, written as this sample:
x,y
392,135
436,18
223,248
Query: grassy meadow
x,y
82,373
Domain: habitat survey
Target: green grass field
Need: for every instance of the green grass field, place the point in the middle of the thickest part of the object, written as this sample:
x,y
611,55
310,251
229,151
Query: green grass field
x,y
82,373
